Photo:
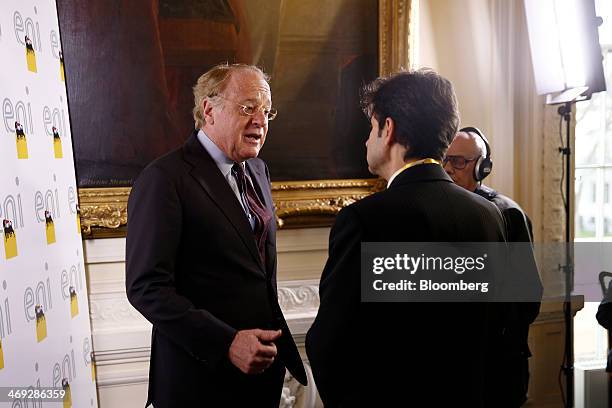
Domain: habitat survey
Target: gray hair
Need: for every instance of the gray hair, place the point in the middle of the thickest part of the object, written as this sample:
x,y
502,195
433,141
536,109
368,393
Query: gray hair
x,y
212,83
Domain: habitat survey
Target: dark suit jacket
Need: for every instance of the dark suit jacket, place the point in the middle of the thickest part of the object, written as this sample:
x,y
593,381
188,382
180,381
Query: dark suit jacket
x,y
398,354
604,311
511,370
194,271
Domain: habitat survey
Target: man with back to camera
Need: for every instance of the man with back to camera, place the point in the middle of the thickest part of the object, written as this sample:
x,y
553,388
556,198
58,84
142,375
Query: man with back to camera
x,y
201,255
468,162
398,354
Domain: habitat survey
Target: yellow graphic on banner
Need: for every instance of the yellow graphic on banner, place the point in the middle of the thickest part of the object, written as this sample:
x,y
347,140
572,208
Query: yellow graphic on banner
x,y
93,367
22,144
30,55
41,323
62,72
74,302
1,356
57,144
10,239
78,219
49,228
68,394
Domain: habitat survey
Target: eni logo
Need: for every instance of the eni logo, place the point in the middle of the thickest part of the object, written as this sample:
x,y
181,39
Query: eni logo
x,y
93,367
67,394
78,218
41,323
49,228
57,143
61,62
20,139
30,55
74,302
10,239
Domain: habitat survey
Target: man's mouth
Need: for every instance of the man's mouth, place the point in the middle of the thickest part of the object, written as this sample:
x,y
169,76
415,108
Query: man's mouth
x,y
253,137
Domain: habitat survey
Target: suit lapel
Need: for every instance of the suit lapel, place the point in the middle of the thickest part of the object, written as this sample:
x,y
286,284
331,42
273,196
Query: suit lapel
x,y
207,174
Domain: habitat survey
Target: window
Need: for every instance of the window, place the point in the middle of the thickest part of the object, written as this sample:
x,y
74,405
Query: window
x,y
593,174
593,178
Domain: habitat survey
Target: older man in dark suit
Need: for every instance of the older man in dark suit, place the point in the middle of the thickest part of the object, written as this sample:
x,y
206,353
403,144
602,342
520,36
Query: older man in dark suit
x,y
403,354
201,255
468,162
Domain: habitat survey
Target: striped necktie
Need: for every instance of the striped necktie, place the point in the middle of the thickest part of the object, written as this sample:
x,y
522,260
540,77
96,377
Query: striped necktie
x,y
254,208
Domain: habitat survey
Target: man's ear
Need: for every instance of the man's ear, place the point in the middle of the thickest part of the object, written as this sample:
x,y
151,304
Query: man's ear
x,y
207,111
389,131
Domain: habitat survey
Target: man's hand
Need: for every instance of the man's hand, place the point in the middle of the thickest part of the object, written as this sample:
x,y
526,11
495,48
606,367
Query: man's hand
x,y
252,351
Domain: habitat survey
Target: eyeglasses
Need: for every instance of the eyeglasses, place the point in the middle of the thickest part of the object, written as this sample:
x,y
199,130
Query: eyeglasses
x,y
458,162
270,113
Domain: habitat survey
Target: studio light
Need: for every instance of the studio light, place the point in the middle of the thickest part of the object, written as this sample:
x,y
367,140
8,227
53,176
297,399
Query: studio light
x,y
567,67
565,49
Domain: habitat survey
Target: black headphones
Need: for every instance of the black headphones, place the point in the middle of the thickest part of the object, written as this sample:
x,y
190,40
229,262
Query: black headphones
x,y
484,165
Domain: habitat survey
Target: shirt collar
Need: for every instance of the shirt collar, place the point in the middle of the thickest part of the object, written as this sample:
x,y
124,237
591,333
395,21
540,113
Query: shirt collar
x,y
394,175
221,160
427,160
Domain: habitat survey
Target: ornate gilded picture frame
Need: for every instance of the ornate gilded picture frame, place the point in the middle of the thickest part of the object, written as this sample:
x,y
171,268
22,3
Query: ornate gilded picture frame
x,y
299,203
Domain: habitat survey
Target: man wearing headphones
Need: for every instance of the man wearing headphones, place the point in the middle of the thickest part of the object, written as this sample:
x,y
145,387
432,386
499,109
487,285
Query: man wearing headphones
x,y
468,162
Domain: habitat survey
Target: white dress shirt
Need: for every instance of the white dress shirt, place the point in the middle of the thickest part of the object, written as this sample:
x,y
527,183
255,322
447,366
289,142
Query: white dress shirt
x,y
225,167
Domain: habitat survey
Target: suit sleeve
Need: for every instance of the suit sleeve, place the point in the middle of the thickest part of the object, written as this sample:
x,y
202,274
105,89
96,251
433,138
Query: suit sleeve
x,y
519,231
328,342
519,225
154,234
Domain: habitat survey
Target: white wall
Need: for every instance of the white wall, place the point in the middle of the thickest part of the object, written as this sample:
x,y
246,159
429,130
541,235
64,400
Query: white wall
x,y
472,43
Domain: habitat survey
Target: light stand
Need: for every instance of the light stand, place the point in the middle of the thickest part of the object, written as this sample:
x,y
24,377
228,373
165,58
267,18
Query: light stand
x,y
567,99
565,111
566,57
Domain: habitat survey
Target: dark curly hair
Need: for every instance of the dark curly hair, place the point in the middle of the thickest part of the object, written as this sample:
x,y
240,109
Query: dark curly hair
x,y
423,107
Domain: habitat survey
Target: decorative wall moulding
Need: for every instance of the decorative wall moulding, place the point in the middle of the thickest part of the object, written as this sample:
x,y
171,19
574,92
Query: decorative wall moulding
x,y
103,211
313,203
298,297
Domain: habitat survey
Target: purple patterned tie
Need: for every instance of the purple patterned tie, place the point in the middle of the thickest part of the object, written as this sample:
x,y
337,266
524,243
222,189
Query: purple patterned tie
x,y
255,208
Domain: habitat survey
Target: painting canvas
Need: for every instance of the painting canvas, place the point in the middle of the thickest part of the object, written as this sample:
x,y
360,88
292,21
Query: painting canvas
x,y
130,66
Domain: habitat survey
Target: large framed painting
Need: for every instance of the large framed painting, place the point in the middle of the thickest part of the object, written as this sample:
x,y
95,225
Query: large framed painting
x,y
130,66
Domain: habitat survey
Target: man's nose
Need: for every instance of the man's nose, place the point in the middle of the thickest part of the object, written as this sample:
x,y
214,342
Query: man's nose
x,y
259,118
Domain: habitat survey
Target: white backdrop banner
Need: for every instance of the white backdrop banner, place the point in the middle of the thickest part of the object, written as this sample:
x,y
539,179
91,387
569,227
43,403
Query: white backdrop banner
x,y
45,331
